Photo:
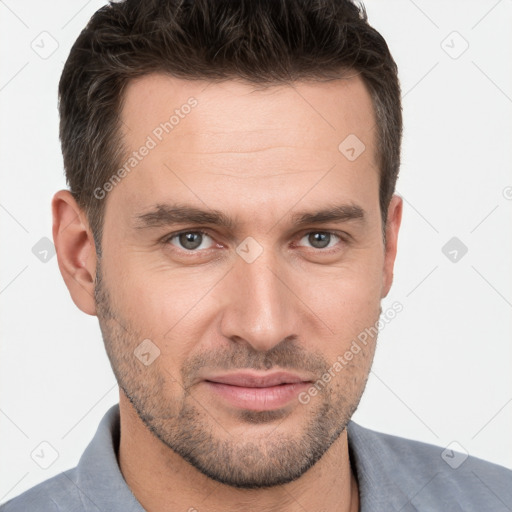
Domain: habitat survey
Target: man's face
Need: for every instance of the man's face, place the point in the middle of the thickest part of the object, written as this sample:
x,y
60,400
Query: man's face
x,y
261,294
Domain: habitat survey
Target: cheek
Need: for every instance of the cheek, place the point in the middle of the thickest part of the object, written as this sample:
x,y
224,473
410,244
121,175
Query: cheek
x,y
167,306
347,302
348,292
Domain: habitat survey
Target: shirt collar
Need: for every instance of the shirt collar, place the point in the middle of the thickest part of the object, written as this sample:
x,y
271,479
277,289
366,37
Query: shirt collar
x,y
98,474
373,466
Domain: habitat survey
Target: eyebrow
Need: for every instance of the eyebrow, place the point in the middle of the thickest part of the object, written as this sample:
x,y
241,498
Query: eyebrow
x,y
169,214
337,213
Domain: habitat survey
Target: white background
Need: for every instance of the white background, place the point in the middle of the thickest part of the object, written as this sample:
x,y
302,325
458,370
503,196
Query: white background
x,y
443,370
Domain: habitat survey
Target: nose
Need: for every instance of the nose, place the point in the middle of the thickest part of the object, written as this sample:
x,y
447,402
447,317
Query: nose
x,y
260,307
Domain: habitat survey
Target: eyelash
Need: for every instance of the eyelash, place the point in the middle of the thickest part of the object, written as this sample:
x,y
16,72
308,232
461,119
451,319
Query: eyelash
x,y
166,240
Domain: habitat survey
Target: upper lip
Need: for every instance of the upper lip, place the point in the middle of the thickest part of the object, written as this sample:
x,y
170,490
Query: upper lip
x,y
254,380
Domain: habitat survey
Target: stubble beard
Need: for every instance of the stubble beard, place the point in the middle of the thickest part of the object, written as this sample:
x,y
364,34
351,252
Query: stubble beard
x,y
192,430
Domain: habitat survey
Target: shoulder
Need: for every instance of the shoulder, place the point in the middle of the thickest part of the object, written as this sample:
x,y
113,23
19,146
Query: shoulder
x,y
429,475
96,483
56,494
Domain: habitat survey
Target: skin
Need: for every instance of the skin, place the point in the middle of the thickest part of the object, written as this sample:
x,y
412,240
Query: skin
x,y
258,156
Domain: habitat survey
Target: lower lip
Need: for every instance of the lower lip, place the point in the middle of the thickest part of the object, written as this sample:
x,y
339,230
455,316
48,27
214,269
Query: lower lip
x,y
258,399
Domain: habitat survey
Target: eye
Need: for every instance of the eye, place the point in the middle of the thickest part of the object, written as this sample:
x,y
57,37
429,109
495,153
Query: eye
x,y
189,240
322,239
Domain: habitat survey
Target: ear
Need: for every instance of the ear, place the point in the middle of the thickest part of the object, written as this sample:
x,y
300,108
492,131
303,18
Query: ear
x,y
76,251
392,226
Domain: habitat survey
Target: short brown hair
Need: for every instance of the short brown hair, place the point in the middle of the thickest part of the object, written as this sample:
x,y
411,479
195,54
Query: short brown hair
x,y
259,41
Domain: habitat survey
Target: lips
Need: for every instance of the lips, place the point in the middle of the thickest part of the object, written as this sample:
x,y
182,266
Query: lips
x,y
248,380
257,392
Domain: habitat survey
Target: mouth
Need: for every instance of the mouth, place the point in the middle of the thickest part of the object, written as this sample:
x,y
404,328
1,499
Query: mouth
x,y
257,392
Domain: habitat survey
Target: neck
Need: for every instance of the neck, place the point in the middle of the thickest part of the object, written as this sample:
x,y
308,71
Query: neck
x,y
162,480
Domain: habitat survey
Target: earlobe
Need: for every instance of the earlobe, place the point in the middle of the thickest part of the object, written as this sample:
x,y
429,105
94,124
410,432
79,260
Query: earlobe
x,y
76,251
394,220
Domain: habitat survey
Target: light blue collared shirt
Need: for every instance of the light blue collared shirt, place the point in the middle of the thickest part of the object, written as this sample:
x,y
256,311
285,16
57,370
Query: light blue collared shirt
x,y
393,473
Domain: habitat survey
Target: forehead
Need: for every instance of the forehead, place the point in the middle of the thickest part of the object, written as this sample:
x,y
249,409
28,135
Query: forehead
x,y
323,112
232,142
